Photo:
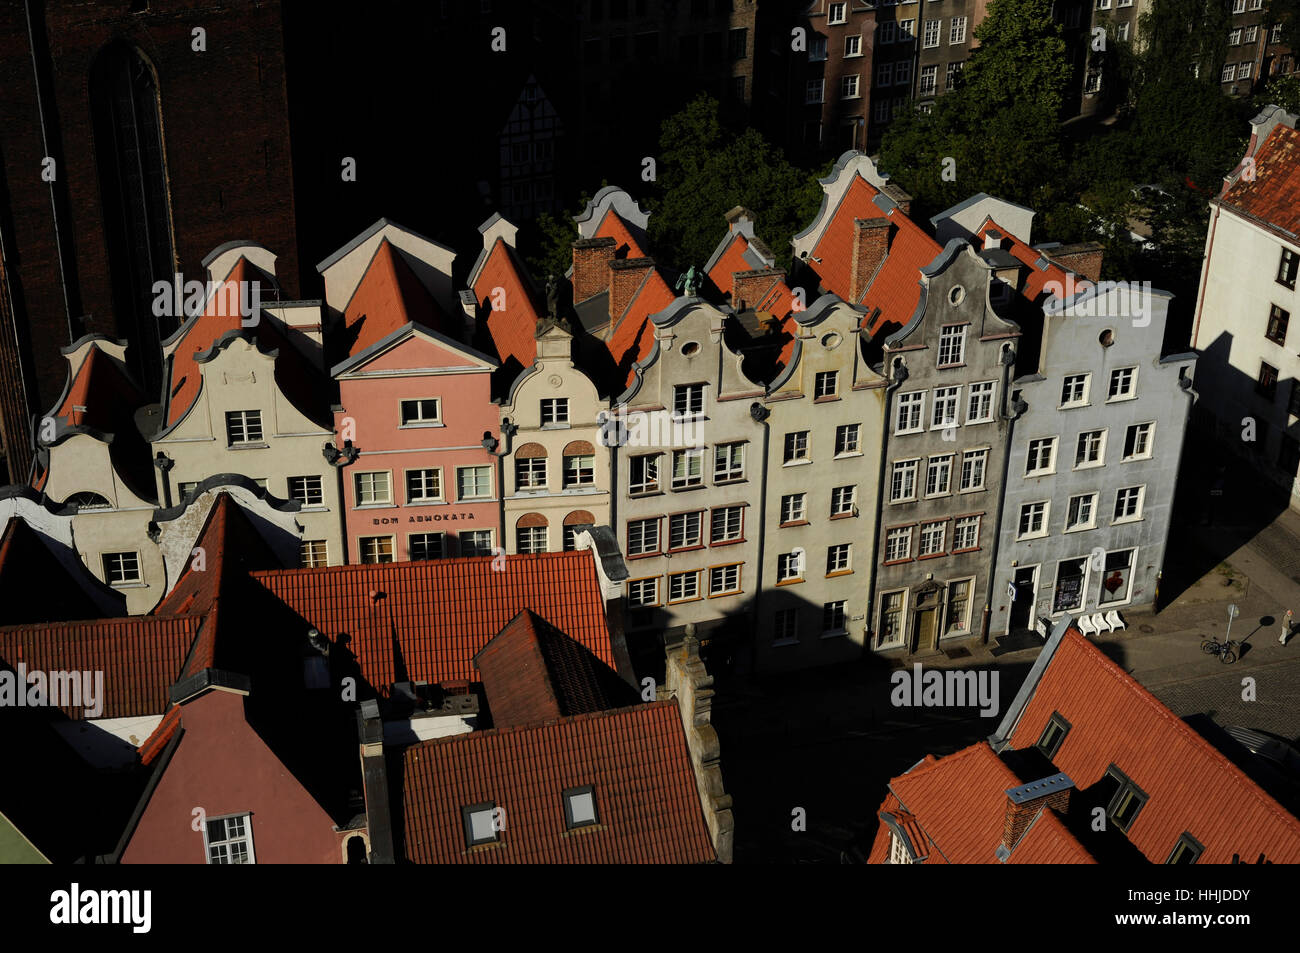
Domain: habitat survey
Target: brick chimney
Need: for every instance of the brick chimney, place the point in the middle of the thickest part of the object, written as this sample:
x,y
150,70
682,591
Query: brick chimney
x,y
748,288
1082,258
1026,802
900,197
626,276
590,256
870,246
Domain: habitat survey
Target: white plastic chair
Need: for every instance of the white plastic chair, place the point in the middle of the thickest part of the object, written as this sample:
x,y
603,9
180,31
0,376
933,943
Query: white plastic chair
x,y
1099,621
1115,621
1085,625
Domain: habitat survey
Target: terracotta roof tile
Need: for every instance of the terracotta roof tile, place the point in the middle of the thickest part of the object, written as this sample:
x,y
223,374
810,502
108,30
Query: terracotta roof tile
x,y
156,742
514,329
1036,278
101,395
732,261
1274,195
633,339
388,297
28,566
636,760
613,226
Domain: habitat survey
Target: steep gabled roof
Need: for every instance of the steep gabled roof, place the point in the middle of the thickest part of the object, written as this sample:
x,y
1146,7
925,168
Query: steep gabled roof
x,y
388,298
425,621
513,330
101,395
1039,270
27,567
958,812
633,337
1114,720
1272,197
625,243
635,759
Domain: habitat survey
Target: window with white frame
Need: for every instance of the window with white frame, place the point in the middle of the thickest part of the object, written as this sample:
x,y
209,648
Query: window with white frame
x,y
785,626
1251,35
1123,383
793,507
906,31
1033,520
952,345
944,413
817,50
724,580
1234,37
826,384
1041,457
229,840
313,553
834,618
891,618
1121,31
688,468
932,536
530,472
121,569
307,490
421,411
958,614
424,485
1257,4
643,536
929,80
376,549
688,400
642,593
898,544
847,439
957,31
837,13
728,462
1137,441
931,38
580,470
1128,504
812,92
473,483
885,74
902,481
965,533
475,542
979,405
1276,36
1244,70
839,558
532,539
853,45
1229,71
425,546
1116,577
374,487
789,566
555,410
1090,449
1074,390
909,416
243,427
643,474
727,524
1103,4
843,500
686,530
684,586
938,475
952,74
796,446
973,466
849,87
1238,6
1081,512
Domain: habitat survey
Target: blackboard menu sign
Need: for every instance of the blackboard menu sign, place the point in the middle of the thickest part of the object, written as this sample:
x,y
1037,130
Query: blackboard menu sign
x,y
1068,593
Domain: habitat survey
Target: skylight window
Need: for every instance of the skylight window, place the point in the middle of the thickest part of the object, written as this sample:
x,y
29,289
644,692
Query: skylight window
x,y
580,807
482,822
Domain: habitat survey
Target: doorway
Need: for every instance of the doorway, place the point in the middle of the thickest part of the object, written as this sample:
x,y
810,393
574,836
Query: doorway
x,y
1026,589
925,620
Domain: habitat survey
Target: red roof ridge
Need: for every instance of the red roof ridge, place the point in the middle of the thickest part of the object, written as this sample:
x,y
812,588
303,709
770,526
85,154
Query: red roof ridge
x,y
388,297
545,723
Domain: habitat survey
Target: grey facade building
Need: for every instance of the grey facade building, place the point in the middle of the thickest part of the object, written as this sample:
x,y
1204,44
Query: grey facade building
x,y
948,427
1094,460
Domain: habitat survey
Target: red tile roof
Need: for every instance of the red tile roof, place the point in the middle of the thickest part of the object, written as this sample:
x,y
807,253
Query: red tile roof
x,y
959,802
428,619
732,261
388,297
636,760
1274,195
1036,279
625,245
1114,720
633,337
156,742
514,329
101,395
28,566
139,657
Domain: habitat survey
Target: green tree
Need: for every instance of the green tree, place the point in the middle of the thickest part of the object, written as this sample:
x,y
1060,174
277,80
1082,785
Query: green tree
x,y
546,242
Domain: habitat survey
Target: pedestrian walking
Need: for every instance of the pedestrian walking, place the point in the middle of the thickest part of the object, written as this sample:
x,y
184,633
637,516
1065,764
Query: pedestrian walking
x,y
1286,627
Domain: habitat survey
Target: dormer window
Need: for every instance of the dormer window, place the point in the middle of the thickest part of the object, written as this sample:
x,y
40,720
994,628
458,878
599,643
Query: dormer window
x,y
1049,743
580,807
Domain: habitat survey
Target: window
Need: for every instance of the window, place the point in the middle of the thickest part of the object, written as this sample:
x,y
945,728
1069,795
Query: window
x,y
793,508
973,465
373,488
532,539
376,549
683,586
685,530
887,33
243,427
643,476
891,618
898,544
843,500
825,384
1128,503
952,75
965,533
1252,35
817,51
473,483
643,537
902,481
938,475
421,546
959,605
727,524
910,407
837,13
229,840
882,110
580,469
1228,73
838,558
1074,392
688,468
1244,70
789,566
1116,577
813,91
853,45
423,486
1081,512
530,472
929,80
847,439
738,43
1186,851
957,31
885,73
423,411
1287,267
184,489
785,627
1103,4
555,410
902,77
1276,36
312,554
1121,32
481,824
724,580
1129,799
1137,441
1090,450
307,490
849,87
1033,520
906,31
979,405
476,542
580,807
945,407
1266,385
1049,742
1234,37
1042,456
688,400
1123,381
796,446
931,34
1277,322
728,462
932,536
833,618
643,592
121,568
952,345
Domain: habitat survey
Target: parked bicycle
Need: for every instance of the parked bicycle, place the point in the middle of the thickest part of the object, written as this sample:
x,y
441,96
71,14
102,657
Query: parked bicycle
x,y
1226,651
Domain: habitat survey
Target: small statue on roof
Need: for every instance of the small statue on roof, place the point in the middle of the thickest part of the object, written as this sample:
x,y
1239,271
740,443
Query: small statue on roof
x,y
552,297
689,283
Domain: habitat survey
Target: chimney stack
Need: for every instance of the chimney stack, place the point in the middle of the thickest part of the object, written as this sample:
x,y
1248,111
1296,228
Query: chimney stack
x,y
740,219
626,275
1026,802
590,257
749,288
992,239
870,246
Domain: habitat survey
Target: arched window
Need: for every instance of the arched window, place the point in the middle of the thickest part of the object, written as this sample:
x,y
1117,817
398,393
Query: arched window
x,y
134,190
530,467
532,534
89,501
572,523
579,464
